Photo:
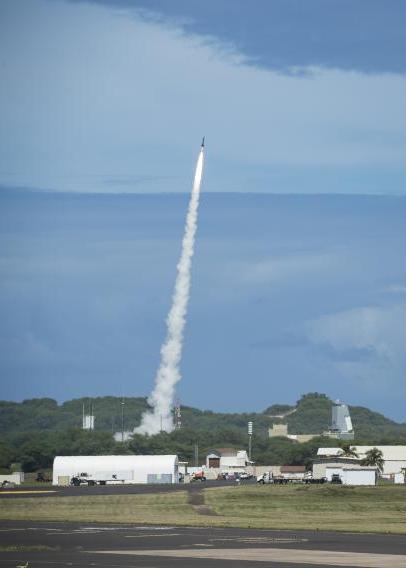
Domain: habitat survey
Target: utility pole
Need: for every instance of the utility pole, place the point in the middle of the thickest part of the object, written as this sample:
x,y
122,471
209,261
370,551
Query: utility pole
x,y
196,454
249,440
91,415
122,419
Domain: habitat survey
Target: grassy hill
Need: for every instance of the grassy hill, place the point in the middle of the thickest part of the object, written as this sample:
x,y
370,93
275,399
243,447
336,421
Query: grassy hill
x,y
34,431
311,415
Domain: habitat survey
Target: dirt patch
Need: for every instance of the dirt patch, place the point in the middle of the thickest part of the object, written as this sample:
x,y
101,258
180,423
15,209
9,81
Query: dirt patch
x,y
196,499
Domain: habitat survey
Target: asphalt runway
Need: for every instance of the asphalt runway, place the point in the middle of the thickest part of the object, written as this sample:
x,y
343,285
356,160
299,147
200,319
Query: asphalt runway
x,y
70,491
60,545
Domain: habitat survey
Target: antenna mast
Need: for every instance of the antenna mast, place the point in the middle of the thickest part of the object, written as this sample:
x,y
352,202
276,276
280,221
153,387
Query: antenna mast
x,y
177,416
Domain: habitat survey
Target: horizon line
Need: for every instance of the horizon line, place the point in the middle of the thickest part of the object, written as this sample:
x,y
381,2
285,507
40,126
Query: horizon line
x,y
36,190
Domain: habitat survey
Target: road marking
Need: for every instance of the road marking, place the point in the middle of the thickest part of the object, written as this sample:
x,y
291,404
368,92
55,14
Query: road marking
x,y
18,492
12,530
321,557
59,533
79,564
150,535
24,529
199,544
260,539
150,528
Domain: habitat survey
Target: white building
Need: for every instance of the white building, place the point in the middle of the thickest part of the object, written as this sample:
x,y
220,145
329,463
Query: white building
x,y
116,469
394,456
353,474
17,478
366,475
341,424
227,458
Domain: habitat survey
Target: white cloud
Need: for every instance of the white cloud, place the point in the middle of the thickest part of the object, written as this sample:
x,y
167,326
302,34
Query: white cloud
x,y
396,289
374,335
89,91
285,268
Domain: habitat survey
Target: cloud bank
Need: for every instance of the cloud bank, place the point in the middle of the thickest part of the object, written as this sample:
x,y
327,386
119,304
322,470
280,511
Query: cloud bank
x,y
116,98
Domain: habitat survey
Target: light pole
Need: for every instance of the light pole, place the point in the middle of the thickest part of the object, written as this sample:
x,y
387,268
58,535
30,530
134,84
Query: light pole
x,y
122,419
249,440
196,454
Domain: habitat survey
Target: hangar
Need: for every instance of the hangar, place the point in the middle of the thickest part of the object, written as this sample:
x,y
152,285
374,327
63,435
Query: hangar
x,y
394,458
116,469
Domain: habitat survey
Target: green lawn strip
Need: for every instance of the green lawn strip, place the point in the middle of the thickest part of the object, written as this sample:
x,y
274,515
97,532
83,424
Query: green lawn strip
x,y
365,509
151,508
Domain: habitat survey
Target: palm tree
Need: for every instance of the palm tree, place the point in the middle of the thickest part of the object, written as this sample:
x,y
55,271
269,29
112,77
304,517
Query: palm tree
x,y
348,451
374,457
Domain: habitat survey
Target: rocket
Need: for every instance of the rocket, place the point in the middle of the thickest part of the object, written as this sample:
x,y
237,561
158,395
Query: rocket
x,y
203,141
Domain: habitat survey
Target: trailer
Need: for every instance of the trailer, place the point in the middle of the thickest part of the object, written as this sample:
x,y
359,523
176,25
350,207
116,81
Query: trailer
x,y
269,478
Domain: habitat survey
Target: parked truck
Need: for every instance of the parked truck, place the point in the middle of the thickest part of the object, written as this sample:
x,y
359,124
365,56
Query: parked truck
x,y
268,477
97,479
198,476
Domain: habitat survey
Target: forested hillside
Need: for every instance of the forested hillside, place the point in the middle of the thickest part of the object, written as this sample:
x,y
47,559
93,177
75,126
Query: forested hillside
x,y
36,430
311,415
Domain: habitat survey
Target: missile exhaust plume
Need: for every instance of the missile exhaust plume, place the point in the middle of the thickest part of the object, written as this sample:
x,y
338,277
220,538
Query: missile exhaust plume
x,y
168,374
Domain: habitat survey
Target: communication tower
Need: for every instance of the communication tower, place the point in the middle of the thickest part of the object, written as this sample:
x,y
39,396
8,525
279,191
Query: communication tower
x,y
177,416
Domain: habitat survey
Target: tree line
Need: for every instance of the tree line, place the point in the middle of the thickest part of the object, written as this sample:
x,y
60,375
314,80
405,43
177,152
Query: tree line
x,y
36,450
35,431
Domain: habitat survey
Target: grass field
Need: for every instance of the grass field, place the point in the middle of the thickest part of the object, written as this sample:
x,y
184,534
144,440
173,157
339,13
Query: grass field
x,y
149,508
364,509
324,507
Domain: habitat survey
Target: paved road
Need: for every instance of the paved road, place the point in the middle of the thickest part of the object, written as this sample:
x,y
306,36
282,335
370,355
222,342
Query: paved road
x,y
134,546
53,491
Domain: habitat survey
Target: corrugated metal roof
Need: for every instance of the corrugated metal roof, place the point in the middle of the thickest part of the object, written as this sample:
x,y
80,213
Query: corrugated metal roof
x,y
225,451
390,453
293,468
329,452
116,462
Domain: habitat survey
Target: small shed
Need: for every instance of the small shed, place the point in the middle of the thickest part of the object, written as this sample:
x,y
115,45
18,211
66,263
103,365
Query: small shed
x,y
17,478
117,469
366,475
226,457
354,474
321,465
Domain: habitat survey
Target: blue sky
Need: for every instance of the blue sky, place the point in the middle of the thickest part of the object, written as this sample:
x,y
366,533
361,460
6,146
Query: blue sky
x,y
102,109
292,96
290,294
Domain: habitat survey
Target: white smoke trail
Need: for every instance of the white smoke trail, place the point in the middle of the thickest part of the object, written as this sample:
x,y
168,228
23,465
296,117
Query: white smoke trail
x,y
161,398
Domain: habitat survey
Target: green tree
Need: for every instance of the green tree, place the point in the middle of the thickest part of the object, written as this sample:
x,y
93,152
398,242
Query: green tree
x,y
7,455
348,451
374,457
